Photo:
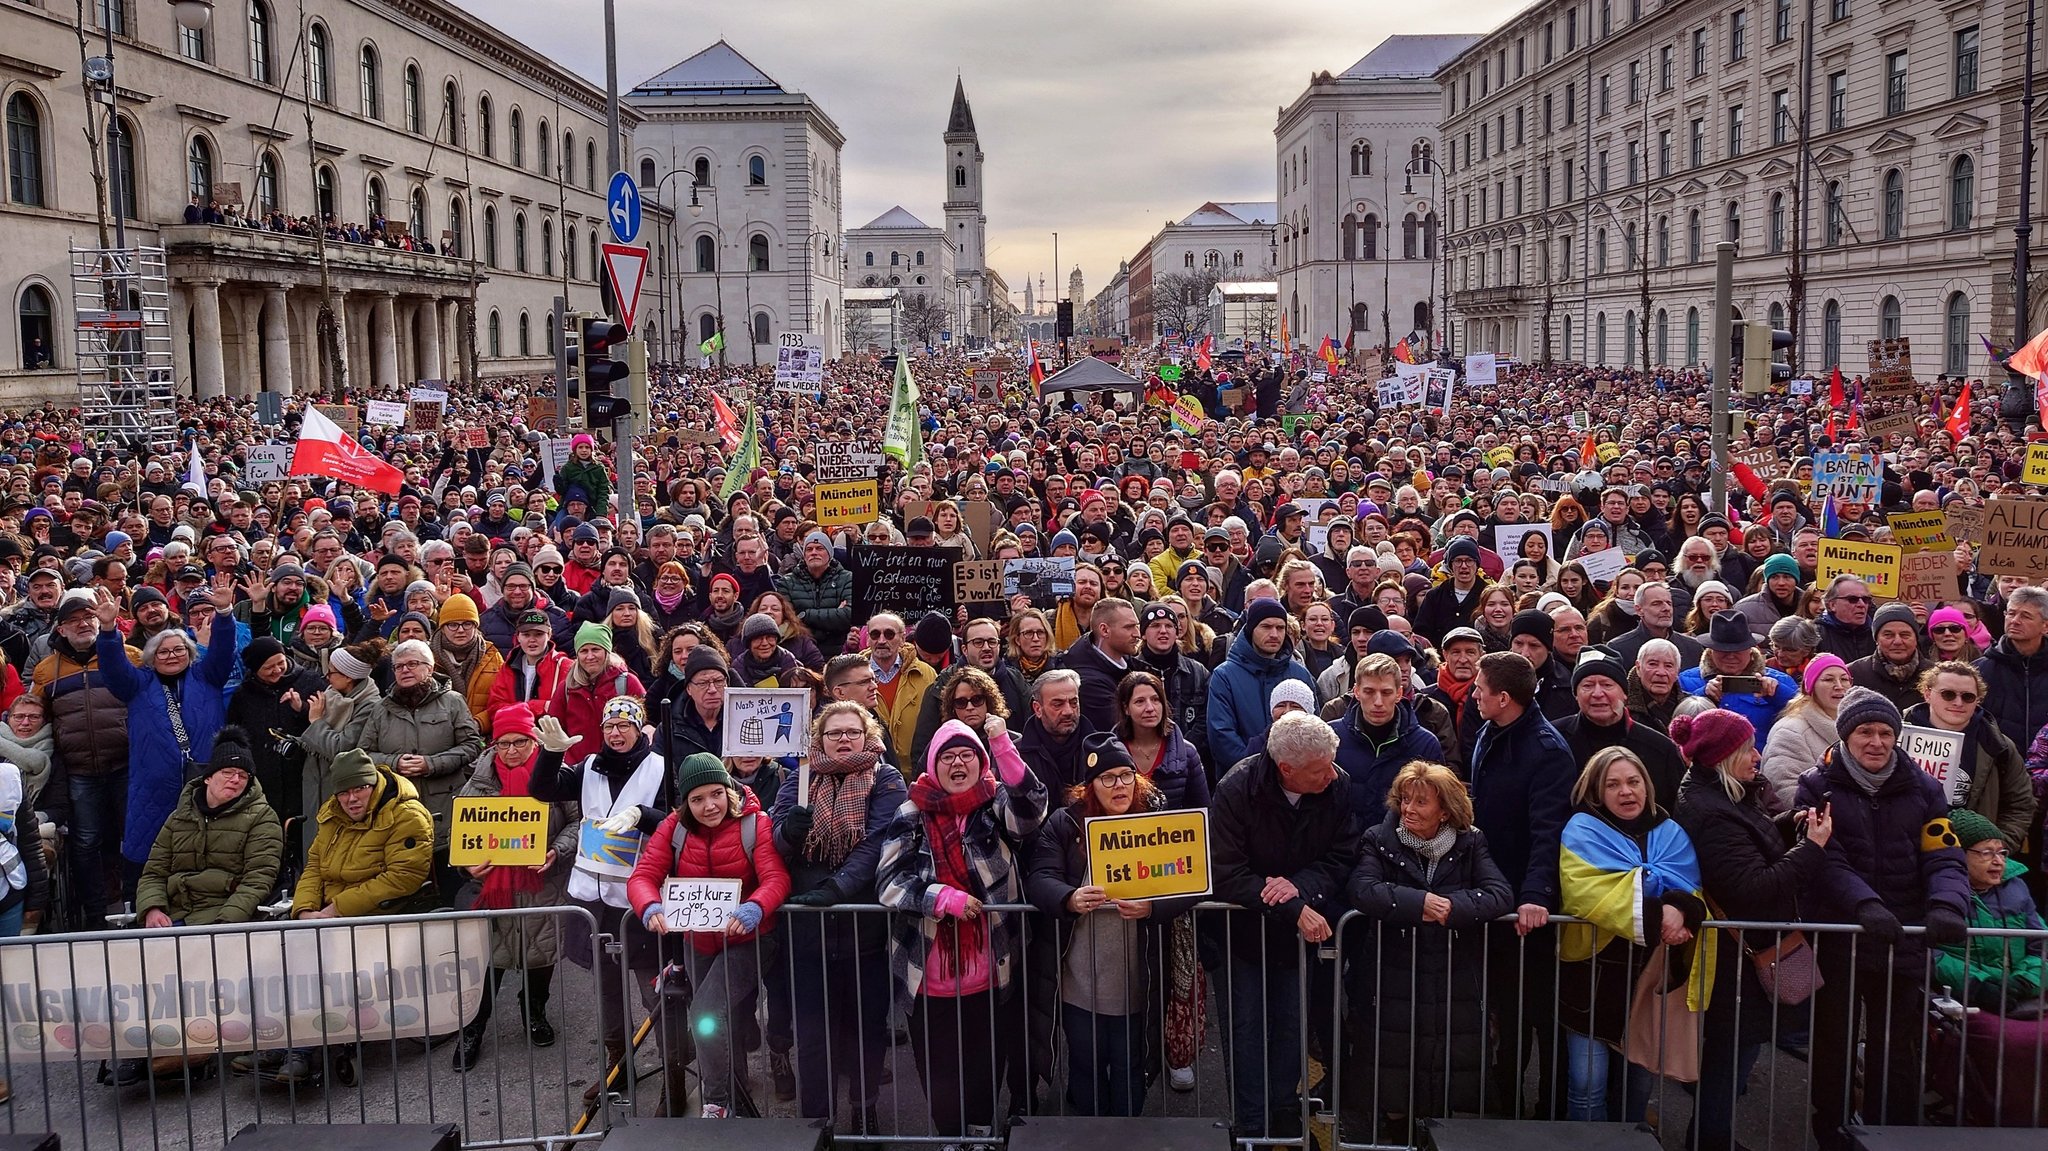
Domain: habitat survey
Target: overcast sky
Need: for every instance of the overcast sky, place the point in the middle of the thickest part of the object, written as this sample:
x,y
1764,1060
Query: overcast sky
x,y
1100,119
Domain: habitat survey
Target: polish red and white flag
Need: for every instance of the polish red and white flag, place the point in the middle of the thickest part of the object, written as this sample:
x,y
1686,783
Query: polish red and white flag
x,y
325,450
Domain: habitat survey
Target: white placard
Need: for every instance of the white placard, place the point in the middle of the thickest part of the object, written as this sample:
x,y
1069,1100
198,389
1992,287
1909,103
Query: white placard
x,y
1939,754
268,462
385,413
1317,536
699,905
1802,387
429,396
768,721
846,460
1312,506
1507,540
1602,567
799,363
1481,369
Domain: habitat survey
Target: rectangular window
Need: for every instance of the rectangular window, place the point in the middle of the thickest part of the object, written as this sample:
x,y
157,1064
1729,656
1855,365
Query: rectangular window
x,y
1603,96
1519,62
1781,116
1838,10
1544,188
1549,43
1635,161
1606,18
1571,104
1734,131
1895,84
1571,30
192,44
1699,52
1602,171
1568,181
1519,118
1635,81
1966,61
1547,109
1482,142
1738,35
1664,153
1485,78
1518,195
1664,63
1838,101
1781,22
111,15
1696,142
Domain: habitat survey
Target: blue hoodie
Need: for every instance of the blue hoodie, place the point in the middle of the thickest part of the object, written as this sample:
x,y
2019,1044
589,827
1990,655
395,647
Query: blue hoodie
x,y
1240,690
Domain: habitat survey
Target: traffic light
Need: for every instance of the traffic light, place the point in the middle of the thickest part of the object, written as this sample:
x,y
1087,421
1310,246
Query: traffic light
x,y
1064,325
1760,346
602,339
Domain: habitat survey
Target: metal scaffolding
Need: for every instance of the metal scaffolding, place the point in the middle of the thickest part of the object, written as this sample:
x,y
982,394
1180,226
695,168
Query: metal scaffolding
x,y
127,387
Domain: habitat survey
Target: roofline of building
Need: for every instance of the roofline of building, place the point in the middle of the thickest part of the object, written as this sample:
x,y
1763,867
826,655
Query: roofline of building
x,y
777,105
466,28
1287,115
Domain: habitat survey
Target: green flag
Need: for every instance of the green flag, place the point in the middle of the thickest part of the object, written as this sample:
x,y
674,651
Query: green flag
x,y
712,346
904,437
741,467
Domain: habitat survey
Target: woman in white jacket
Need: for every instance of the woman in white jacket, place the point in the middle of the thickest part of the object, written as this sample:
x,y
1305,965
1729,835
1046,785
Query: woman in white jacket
x,y
1805,731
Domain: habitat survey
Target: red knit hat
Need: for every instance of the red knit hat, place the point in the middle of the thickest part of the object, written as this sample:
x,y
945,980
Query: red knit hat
x,y
512,719
1711,736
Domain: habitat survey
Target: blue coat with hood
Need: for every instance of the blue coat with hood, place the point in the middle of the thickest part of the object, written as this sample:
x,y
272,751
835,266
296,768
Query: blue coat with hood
x,y
156,765
1240,690
1370,765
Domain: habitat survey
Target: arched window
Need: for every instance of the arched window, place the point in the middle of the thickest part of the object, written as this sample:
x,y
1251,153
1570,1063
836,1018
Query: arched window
x,y
707,327
266,184
525,335
1731,223
1369,241
1188,259
515,135
1776,316
1361,159
647,177
1956,336
590,165
198,168
569,251
547,247
369,79
959,176
519,243
416,214
457,239
451,115
1429,227
259,42
1348,230
497,335
1409,228
547,325
1599,253
1889,318
1237,259
1600,338
373,198
1894,204
490,237
25,151
870,260
700,172
757,176
124,160
707,254
38,347
1629,254
761,335
1360,319
319,65
1830,334
1692,335
541,153
1831,214
1628,339
757,254
569,158
1962,193
412,99
487,129
1422,315
596,260
1775,226
323,190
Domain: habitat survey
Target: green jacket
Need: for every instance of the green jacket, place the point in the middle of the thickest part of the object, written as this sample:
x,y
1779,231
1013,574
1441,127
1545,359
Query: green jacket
x,y
1995,967
212,869
591,477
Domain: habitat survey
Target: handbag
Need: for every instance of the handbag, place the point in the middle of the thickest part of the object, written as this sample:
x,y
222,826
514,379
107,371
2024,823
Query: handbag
x,y
1787,969
1663,1033
177,714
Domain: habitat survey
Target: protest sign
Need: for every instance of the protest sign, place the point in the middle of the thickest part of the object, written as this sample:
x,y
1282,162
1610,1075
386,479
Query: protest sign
x,y
423,416
1965,523
766,721
699,905
606,854
2015,539
344,416
1928,577
1507,539
1188,415
1852,477
1043,581
1800,387
1940,755
506,830
1392,392
1894,428
845,460
266,462
391,413
842,502
1762,459
2036,470
1152,855
1437,392
978,581
1920,531
905,580
1891,368
799,363
1877,565
1603,566
979,516
1481,369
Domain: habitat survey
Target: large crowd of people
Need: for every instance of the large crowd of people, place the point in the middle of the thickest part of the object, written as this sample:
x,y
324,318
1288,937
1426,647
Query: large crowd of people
x,y
1379,646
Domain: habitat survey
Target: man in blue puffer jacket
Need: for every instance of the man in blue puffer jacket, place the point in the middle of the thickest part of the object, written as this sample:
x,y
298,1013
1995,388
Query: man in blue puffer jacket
x,y
1260,657
1378,736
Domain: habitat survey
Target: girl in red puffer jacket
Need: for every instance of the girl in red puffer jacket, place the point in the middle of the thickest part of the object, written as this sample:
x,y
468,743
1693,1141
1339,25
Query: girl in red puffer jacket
x,y
707,837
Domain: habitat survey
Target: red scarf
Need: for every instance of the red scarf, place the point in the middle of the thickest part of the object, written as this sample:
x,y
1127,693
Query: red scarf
x,y
503,884
1456,689
945,816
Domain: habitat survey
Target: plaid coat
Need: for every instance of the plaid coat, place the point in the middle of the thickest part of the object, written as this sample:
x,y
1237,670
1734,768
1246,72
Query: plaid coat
x,y
994,836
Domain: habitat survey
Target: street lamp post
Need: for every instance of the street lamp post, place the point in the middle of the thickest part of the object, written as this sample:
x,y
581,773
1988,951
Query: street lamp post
x,y
717,260
810,276
2018,401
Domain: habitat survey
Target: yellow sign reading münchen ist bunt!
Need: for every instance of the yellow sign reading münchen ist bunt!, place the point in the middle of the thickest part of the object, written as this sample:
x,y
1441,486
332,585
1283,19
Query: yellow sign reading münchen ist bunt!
x,y
1151,855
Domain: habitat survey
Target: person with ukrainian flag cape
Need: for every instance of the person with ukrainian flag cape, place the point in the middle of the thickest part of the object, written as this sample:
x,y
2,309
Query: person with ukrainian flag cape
x,y
1629,875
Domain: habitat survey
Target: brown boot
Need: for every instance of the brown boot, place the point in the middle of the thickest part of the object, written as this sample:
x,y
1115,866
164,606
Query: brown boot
x,y
613,1053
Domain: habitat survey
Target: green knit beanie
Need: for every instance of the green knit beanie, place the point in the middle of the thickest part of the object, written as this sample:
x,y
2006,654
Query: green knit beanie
x,y
698,770
596,633
1971,828
351,769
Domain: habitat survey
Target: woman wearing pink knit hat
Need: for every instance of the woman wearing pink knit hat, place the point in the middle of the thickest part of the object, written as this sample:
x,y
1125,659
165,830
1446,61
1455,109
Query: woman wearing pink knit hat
x,y
1805,731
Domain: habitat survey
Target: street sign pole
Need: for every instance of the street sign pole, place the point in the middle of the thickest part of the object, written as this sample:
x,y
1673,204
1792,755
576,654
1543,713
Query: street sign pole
x,y
622,430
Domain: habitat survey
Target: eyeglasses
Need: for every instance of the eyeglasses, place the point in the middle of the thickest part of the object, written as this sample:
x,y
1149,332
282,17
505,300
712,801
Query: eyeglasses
x,y
1947,629
985,641
1989,851
1118,779
1951,695
959,755
415,664
883,633
847,735
513,743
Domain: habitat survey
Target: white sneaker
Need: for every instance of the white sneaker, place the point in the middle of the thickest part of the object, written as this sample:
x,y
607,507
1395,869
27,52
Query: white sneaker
x,y
712,1111
1180,1078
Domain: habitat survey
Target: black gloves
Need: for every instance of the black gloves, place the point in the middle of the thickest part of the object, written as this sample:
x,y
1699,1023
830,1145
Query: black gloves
x,y
1878,923
796,826
819,896
1945,928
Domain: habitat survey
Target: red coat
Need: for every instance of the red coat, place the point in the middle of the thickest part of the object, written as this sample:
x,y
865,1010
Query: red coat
x,y
554,672
581,709
764,881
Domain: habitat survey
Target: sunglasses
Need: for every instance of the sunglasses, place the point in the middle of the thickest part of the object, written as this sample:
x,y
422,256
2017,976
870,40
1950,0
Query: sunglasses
x,y
1951,695
975,700
882,633
1852,599
1947,629
549,568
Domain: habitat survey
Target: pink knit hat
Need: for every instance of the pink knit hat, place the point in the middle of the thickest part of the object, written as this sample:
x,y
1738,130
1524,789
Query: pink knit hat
x,y
1816,666
1711,736
319,613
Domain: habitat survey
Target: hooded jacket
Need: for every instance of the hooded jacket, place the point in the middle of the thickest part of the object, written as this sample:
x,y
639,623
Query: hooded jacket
x,y
371,866
1239,694
89,722
690,853
213,868
2017,697
156,763
1996,969
824,603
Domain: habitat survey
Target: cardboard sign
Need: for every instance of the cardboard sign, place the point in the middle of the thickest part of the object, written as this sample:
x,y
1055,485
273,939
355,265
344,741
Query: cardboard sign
x,y
980,518
606,854
907,581
1762,459
1894,428
1800,387
1481,369
799,363
1920,531
1965,523
508,830
391,414
1875,564
1928,577
2036,470
540,413
423,416
1043,581
849,502
1891,368
1939,754
267,462
702,906
2015,539
1603,566
1507,539
344,416
1851,476
770,722
1153,855
845,460
978,581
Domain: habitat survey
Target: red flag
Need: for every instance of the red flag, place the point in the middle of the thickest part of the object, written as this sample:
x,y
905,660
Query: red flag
x,y
1835,397
1831,424
1036,369
1958,423
2031,360
1402,352
1202,360
1855,420
727,424
1589,452
1328,352
325,450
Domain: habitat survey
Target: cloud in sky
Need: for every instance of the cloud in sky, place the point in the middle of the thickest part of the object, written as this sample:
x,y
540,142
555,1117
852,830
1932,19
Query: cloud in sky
x,y
1100,120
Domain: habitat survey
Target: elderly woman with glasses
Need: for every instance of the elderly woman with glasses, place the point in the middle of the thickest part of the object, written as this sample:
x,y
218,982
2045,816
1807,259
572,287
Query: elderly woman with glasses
x,y
1996,784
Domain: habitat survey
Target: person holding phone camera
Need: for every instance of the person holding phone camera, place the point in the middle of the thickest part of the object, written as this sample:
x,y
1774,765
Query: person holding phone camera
x,y
1732,674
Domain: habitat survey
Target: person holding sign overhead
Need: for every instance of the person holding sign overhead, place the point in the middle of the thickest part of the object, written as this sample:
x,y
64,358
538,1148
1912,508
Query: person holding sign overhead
x,y
708,837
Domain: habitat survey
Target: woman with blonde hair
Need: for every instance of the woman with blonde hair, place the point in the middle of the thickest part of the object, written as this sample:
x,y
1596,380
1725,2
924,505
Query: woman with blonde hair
x,y
1030,643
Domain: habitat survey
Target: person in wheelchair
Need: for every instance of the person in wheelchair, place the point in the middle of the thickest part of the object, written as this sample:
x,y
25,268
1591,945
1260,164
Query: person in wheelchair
x,y
373,854
1999,973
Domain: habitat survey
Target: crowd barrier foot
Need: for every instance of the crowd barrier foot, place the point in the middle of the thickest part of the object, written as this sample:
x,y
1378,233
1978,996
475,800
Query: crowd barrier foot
x,y
1945,1138
348,1137
717,1135
1088,1133
1535,1135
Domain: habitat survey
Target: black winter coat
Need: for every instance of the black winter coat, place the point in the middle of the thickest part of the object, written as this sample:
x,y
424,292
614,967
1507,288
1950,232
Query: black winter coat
x,y
1254,834
1659,755
1187,695
2018,691
1099,678
1521,778
1441,610
1848,642
1416,989
273,727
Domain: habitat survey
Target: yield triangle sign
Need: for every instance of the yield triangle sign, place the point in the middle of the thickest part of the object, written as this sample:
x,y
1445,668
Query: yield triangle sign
x,y
626,265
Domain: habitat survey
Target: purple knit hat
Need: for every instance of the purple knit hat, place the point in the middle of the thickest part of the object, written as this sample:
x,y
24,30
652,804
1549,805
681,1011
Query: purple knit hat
x,y
1711,736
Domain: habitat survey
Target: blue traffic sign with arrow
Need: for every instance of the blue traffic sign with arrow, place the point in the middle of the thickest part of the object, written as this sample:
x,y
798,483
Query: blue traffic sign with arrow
x,y
622,207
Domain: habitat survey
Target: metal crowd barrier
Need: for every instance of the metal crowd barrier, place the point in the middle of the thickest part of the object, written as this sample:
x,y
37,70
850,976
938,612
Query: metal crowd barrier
x,y
1351,1044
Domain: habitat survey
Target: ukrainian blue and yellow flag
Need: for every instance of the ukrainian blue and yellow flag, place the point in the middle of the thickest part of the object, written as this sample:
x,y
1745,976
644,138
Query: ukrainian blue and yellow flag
x,y
1606,878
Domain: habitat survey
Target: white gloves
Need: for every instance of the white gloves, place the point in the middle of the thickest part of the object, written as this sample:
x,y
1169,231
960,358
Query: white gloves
x,y
549,731
618,822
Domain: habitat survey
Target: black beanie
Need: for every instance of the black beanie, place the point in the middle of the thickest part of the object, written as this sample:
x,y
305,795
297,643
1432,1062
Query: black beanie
x,y
1101,753
1367,616
933,634
259,652
231,749
1532,622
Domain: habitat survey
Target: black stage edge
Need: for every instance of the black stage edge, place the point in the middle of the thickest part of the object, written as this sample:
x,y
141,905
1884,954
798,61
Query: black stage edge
x,y
1946,1138
348,1137
1532,1135
717,1135
29,1142
1086,1133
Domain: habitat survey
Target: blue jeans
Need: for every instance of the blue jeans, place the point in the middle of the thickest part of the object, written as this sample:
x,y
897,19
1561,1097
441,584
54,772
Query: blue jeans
x,y
99,809
1265,1042
1105,1062
1588,1060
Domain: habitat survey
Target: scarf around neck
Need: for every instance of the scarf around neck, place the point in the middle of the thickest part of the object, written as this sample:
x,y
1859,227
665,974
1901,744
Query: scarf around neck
x,y
839,796
945,820
1456,689
457,663
1432,850
503,885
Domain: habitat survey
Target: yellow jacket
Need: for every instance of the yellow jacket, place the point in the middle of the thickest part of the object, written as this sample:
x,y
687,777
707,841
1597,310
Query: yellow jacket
x,y
371,867
1166,569
900,718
